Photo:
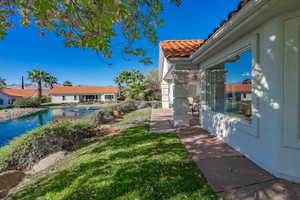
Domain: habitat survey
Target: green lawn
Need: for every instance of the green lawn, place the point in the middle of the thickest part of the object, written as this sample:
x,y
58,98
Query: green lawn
x,y
134,165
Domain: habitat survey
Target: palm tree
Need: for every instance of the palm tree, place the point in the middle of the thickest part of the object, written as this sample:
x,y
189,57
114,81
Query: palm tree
x,y
38,76
2,83
67,83
51,80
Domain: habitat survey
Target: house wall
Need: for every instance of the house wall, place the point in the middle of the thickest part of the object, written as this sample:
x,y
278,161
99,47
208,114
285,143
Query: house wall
x,y
70,98
272,138
7,100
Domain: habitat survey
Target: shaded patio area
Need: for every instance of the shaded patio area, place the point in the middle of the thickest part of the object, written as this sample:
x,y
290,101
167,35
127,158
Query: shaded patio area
x,y
228,172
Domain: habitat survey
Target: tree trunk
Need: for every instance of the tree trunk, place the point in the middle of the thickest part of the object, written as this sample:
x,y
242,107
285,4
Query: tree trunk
x,y
39,91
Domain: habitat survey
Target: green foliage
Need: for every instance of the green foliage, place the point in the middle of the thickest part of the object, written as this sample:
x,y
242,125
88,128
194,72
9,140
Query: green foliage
x,y
133,165
51,80
136,91
29,148
67,83
106,115
89,23
26,103
38,76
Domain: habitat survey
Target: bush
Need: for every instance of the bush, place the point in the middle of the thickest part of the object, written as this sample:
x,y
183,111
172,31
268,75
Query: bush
x,y
46,100
106,115
27,149
26,103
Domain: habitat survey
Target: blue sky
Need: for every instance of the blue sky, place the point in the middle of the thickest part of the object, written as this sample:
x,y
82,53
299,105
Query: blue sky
x,y
23,49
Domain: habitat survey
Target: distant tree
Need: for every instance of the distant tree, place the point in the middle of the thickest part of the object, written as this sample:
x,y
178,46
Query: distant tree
x,y
67,83
136,91
51,80
89,24
38,76
247,81
2,83
152,80
126,79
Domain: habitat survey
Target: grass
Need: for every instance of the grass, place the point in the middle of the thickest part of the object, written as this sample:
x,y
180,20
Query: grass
x,y
134,118
5,109
51,104
134,165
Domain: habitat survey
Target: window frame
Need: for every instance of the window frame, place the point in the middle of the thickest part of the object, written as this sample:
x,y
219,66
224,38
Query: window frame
x,y
252,43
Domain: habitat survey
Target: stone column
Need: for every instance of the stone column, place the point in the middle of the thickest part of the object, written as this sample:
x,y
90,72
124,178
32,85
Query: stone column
x,y
165,95
181,103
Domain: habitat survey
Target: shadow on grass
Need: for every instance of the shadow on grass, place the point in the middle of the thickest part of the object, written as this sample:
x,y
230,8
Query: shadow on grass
x,y
134,165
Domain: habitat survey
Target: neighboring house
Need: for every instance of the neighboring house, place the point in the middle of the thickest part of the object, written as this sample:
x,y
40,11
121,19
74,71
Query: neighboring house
x,y
241,92
8,96
77,94
262,34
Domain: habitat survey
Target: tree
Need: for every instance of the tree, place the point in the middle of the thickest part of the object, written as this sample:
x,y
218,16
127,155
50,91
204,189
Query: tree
x,y
152,80
51,80
136,91
67,83
126,79
2,83
38,76
89,23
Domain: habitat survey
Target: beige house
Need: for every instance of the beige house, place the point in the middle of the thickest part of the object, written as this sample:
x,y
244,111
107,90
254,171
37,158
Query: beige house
x,y
258,45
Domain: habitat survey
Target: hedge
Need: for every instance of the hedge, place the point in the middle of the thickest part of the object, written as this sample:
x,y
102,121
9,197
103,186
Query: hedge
x,y
26,150
26,103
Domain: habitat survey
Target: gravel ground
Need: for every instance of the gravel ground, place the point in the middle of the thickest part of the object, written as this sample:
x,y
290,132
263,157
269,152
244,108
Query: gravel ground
x,y
17,112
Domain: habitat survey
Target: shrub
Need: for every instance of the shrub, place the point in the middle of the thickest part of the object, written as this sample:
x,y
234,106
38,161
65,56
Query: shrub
x,y
26,103
46,100
106,115
27,149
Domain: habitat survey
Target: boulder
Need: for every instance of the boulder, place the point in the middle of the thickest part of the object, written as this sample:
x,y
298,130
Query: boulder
x,y
48,161
8,180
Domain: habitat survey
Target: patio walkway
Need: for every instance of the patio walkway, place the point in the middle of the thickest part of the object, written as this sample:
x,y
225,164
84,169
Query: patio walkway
x,y
227,171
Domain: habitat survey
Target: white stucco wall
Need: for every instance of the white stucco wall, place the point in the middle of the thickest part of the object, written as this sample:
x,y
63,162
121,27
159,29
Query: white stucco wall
x,y
7,100
70,98
272,139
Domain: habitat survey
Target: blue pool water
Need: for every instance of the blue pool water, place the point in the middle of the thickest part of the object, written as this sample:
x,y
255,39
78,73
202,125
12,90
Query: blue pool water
x,y
12,128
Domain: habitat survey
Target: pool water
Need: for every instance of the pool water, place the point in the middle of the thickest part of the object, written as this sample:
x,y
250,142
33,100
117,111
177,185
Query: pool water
x,y
12,128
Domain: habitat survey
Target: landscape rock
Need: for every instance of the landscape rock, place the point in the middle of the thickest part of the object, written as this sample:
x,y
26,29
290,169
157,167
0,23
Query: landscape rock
x,y
48,161
17,112
8,180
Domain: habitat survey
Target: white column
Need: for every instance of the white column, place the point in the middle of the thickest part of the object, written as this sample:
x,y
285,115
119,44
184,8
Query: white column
x,y
181,103
165,94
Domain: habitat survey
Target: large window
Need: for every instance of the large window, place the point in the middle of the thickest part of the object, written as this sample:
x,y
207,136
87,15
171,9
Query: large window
x,y
1,101
229,86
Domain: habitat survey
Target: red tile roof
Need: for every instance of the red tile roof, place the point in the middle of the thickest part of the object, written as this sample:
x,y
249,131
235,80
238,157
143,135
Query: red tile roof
x,y
180,48
238,88
185,48
83,90
26,93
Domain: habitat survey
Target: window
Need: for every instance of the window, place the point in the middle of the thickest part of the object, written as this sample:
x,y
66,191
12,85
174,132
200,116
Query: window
x,y
75,97
229,86
1,101
63,98
109,97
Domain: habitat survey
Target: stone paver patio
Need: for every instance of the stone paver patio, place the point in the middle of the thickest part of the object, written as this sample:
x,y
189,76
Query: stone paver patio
x,y
228,172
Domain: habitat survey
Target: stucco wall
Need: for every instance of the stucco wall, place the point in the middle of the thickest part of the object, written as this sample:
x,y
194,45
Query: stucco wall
x,y
266,140
68,99
5,99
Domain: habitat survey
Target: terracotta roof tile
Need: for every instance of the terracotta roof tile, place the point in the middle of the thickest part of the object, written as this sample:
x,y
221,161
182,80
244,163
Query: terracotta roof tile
x,y
180,48
185,48
83,90
238,88
26,93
